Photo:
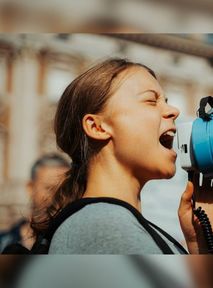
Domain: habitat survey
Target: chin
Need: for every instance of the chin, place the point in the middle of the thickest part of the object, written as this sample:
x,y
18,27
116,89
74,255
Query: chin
x,y
170,173
169,176
166,173
163,175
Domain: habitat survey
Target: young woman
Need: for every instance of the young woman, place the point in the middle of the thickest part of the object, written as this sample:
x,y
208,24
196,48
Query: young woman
x,y
117,127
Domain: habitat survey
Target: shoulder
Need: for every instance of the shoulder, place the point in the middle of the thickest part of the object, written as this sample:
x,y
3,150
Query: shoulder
x,y
99,228
99,215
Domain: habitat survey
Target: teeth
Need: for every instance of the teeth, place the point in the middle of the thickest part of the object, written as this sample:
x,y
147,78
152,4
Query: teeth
x,y
170,133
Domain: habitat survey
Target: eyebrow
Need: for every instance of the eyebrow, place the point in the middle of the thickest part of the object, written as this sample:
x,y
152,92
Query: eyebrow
x,y
155,92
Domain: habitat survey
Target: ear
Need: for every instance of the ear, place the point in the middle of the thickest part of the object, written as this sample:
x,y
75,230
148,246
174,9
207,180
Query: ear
x,y
95,127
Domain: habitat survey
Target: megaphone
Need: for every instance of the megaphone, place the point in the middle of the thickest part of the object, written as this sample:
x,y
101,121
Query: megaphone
x,y
195,140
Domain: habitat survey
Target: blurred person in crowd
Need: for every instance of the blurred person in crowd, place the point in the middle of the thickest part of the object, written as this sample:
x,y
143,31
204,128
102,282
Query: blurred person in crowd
x,y
45,174
117,127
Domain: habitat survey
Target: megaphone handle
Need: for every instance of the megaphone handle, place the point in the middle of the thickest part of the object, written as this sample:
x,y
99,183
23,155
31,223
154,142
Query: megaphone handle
x,y
203,219
206,227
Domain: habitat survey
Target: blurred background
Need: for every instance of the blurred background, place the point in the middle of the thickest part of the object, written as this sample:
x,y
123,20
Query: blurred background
x,y
102,271
106,15
95,271
36,68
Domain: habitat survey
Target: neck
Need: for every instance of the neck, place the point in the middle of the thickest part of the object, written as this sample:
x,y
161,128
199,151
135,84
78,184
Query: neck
x,y
111,179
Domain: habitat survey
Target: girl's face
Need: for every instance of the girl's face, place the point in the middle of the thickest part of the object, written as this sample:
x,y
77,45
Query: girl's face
x,y
142,126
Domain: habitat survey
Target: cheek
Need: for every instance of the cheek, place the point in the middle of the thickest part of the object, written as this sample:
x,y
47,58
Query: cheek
x,y
136,130
135,138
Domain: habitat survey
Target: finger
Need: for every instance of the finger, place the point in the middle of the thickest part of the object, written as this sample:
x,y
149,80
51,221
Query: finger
x,y
186,199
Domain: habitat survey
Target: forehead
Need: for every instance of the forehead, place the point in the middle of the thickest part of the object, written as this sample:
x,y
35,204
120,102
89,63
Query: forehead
x,y
136,78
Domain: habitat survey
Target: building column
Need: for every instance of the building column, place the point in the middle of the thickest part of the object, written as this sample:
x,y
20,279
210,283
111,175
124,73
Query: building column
x,y
24,110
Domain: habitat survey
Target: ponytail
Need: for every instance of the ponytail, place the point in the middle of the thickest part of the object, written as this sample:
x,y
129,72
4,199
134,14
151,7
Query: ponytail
x,y
73,186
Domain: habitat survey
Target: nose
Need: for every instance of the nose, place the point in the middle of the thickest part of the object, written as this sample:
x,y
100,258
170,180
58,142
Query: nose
x,y
171,112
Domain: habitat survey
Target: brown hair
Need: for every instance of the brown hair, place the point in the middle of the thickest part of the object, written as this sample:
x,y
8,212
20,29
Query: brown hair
x,y
88,93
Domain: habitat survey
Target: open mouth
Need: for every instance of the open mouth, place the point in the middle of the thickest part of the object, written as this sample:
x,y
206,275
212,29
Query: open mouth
x,y
167,138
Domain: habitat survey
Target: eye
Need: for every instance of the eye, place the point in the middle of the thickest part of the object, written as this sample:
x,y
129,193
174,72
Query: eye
x,y
152,100
151,97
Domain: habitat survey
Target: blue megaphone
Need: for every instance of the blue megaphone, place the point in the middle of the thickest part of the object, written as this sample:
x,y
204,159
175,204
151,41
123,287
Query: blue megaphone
x,y
195,140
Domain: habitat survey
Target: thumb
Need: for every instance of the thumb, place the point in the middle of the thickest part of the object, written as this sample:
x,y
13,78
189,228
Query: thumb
x,y
186,199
